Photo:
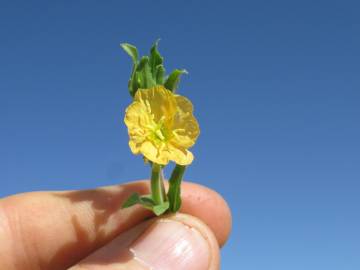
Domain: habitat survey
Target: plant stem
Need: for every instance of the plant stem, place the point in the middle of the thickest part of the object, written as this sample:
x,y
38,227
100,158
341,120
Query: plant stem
x,y
157,189
174,193
162,179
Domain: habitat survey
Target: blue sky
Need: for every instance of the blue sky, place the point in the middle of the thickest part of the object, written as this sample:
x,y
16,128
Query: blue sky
x,y
276,90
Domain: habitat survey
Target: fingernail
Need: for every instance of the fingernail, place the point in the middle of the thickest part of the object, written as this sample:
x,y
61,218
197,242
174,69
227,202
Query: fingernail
x,y
172,245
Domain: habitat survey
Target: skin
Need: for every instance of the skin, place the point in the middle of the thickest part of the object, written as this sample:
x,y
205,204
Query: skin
x,y
57,230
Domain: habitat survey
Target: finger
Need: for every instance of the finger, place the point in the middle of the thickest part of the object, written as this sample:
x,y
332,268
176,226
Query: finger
x,y
174,242
210,207
54,230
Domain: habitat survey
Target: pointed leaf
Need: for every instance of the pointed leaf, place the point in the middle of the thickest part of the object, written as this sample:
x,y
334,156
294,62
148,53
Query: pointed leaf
x,y
133,82
131,50
174,193
132,200
155,58
139,79
174,79
161,208
147,75
146,79
147,200
159,74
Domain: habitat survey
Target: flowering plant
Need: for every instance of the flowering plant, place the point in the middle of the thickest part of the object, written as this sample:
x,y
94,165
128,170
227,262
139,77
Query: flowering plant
x,y
161,127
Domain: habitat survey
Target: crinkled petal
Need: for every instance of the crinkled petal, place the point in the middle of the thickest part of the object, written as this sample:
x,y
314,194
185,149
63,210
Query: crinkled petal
x,y
136,116
135,147
185,126
184,104
180,156
159,102
161,126
154,154
137,121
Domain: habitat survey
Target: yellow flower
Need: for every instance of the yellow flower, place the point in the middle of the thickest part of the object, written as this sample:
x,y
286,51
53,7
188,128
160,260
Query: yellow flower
x,y
161,126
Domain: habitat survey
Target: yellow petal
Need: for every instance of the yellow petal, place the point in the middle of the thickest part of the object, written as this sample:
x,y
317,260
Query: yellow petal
x,y
136,116
153,153
161,126
135,147
159,102
185,126
136,120
184,104
180,156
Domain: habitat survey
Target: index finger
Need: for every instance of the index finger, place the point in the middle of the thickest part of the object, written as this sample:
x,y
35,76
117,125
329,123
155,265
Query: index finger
x,y
54,230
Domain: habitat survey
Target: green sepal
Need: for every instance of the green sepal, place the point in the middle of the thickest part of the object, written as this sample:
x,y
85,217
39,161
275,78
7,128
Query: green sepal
x,y
173,80
175,188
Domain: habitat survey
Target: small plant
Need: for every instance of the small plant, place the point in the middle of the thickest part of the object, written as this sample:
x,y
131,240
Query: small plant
x,y
161,128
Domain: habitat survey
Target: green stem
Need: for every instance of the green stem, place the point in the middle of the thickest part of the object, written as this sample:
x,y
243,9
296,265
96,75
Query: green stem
x,y
157,190
162,179
174,193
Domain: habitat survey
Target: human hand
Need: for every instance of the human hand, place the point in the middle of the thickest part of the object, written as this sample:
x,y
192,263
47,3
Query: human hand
x,y
85,230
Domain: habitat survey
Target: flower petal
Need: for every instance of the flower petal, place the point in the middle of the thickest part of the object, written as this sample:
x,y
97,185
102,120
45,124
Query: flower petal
x,y
153,153
185,126
180,156
137,121
161,126
159,102
184,104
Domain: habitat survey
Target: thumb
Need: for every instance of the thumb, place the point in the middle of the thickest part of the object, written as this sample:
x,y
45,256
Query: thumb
x,y
173,242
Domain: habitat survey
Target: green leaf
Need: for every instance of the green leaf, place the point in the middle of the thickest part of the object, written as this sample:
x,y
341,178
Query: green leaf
x,y
161,208
155,58
143,61
145,76
132,200
147,200
174,193
174,79
131,50
133,82
159,74
138,78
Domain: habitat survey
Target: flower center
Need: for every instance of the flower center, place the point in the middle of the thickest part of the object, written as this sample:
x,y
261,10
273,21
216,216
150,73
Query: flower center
x,y
159,132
